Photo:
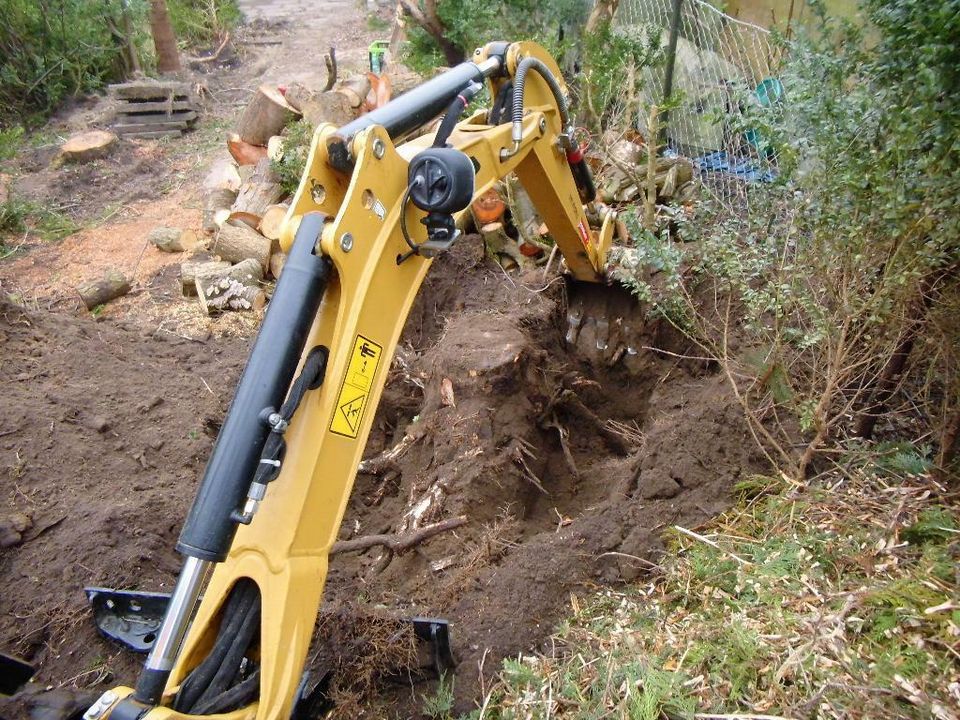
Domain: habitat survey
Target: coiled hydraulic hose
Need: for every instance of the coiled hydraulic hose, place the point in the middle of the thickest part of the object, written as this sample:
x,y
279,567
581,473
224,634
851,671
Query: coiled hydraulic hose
x,y
578,164
519,82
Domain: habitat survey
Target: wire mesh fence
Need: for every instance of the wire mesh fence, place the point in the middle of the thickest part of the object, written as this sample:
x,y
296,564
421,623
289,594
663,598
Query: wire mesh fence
x,y
721,74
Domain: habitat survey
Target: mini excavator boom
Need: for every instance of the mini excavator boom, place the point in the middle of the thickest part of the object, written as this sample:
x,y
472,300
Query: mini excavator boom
x,y
371,212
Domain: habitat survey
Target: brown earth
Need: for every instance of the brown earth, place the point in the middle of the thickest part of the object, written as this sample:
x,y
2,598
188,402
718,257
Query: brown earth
x,y
568,460
107,425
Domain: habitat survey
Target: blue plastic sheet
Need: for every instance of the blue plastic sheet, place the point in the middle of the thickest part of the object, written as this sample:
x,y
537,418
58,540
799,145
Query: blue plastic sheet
x,y
743,168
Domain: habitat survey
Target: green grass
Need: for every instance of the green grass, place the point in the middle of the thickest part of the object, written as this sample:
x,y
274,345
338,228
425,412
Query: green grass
x,y
837,599
22,221
377,24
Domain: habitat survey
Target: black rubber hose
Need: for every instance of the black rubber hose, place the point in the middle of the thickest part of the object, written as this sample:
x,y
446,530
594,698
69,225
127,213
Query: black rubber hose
x,y
543,71
500,104
454,111
582,175
236,697
244,596
239,645
199,678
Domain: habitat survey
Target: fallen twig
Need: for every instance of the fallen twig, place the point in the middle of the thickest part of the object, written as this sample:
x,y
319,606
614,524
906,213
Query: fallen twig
x,y
711,543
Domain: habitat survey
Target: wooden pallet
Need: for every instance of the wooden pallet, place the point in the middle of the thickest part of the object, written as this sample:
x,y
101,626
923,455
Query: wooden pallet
x,y
153,109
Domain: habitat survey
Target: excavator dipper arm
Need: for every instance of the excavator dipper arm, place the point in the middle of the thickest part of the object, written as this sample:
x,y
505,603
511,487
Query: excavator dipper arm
x,y
276,486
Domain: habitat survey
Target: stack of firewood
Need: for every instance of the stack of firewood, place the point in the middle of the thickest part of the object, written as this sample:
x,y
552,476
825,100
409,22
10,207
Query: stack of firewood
x,y
244,205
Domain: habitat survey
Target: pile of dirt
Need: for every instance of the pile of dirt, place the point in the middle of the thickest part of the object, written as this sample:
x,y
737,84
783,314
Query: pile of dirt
x,y
569,451
105,429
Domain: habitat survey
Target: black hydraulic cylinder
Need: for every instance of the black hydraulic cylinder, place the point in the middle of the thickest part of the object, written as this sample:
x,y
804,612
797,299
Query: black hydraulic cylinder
x,y
209,529
411,110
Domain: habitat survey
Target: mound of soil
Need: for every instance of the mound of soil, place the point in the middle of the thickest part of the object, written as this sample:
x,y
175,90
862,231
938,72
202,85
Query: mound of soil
x,y
568,445
104,431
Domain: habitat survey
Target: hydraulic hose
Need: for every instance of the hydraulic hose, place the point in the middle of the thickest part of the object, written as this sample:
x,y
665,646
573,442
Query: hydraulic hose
x,y
519,81
578,164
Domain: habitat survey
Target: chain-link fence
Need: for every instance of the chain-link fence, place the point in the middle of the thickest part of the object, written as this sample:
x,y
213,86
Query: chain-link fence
x,y
722,74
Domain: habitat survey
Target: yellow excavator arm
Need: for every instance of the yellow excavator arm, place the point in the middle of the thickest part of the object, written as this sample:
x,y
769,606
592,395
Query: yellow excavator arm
x,y
371,212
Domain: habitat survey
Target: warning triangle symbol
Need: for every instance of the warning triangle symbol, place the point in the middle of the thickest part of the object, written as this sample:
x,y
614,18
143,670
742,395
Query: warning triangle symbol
x,y
352,412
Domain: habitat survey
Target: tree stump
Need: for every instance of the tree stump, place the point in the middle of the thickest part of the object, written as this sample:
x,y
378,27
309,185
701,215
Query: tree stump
x,y
112,285
237,242
87,146
266,115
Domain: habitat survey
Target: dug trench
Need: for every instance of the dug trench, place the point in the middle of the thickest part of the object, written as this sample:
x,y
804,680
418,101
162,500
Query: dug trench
x,y
566,427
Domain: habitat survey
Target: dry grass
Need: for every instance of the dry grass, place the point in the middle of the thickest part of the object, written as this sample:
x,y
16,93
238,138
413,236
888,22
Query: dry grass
x,y
836,599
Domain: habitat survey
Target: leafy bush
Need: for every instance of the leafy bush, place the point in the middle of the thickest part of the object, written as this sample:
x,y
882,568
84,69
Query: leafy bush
x,y
472,23
612,58
833,276
296,146
200,22
51,50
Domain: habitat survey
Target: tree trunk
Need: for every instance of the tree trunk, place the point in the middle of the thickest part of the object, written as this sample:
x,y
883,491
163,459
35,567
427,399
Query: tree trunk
x,y
164,40
893,370
603,12
429,20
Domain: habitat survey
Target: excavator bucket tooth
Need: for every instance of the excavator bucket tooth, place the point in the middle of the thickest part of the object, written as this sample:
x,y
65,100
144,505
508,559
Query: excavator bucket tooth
x,y
131,618
436,634
14,672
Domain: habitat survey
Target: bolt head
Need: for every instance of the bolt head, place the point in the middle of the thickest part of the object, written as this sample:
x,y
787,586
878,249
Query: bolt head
x,y
346,242
379,148
543,125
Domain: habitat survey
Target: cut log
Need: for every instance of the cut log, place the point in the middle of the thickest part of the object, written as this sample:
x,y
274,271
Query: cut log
x,y
173,239
355,89
297,95
272,221
275,148
259,192
500,244
230,295
249,219
488,207
277,261
237,288
87,146
265,116
243,152
216,208
223,174
190,270
236,242
112,285
330,107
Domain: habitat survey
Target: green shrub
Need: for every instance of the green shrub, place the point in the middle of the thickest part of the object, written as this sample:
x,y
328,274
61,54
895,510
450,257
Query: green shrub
x,y
825,274
51,50
473,23
201,22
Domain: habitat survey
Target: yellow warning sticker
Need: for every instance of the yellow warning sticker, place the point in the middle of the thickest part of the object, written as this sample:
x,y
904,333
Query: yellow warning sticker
x,y
352,401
